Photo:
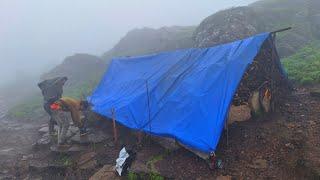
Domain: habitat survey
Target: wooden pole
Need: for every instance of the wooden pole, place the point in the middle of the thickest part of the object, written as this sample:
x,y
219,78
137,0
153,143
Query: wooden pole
x,y
139,137
281,30
227,128
149,113
115,132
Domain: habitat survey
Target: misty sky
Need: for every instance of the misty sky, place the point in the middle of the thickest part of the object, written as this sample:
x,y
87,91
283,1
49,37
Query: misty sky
x,y
35,35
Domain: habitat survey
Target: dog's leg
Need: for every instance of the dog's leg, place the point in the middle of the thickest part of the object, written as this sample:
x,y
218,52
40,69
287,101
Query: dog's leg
x,y
58,119
65,127
59,133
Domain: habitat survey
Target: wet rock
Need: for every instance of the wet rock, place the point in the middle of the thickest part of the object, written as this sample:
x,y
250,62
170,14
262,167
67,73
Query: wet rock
x,y
92,164
315,93
106,172
312,123
38,166
45,140
5,151
6,177
139,167
43,130
259,164
67,148
239,113
92,137
87,161
290,125
72,131
224,178
110,144
289,145
26,157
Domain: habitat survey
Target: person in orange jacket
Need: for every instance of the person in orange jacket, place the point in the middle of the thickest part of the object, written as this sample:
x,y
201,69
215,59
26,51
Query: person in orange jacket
x,y
60,110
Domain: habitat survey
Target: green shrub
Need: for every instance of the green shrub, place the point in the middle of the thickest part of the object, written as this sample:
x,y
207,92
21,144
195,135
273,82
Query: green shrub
x,y
304,66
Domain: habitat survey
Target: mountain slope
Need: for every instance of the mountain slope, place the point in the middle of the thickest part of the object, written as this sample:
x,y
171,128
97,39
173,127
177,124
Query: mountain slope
x,y
148,40
80,69
262,16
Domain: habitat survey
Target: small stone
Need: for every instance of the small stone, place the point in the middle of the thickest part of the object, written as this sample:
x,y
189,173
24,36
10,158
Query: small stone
x,y
106,172
259,164
43,130
66,148
300,131
38,166
89,165
139,167
315,93
290,125
93,137
110,144
86,157
224,178
289,145
312,123
26,157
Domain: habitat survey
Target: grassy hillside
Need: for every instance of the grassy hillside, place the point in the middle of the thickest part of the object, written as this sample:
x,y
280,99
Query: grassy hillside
x,y
83,71
31,107
304,66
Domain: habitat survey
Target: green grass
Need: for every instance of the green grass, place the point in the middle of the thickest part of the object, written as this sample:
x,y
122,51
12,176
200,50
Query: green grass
x,y
30,106
27,108
153,160
304,66
132,176
65,160
150,176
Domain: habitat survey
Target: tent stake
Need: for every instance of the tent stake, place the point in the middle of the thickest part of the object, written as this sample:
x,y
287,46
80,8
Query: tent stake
x,y
115,133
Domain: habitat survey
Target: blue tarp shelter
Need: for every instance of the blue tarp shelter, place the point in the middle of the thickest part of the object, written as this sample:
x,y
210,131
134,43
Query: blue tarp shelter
x,y
182,94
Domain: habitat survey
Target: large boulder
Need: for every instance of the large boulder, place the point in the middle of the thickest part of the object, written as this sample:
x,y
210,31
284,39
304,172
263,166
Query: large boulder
x,y
227,26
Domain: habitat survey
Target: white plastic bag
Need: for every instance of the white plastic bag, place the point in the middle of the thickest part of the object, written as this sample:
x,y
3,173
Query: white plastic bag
x,y
123,155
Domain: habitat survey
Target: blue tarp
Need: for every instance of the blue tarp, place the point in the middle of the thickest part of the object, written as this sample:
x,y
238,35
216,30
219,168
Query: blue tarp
x,y
182,94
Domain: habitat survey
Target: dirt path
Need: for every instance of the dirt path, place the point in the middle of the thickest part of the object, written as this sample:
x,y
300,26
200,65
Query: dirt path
x,y
285,145
311,152
16,139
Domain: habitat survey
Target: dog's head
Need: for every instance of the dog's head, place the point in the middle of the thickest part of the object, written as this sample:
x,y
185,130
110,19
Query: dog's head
x,y
52,89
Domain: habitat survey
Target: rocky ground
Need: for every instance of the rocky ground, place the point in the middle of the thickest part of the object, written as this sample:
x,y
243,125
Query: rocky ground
x,y
281,146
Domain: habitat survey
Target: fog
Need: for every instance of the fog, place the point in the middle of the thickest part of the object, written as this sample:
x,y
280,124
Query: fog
x,y
36,35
